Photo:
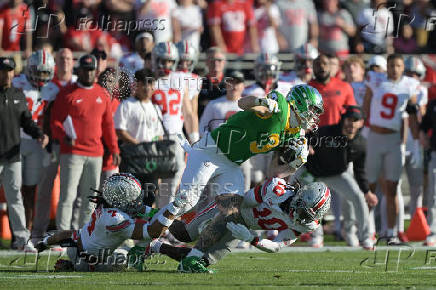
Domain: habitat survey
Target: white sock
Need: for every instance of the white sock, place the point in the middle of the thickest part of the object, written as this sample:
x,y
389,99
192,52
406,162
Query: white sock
x,y
196,253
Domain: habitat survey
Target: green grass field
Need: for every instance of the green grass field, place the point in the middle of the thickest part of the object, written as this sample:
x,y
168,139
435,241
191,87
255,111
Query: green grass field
x,y
332,269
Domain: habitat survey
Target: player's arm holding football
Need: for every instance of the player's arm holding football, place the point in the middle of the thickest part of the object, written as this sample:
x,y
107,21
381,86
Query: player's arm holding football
x,y
261,105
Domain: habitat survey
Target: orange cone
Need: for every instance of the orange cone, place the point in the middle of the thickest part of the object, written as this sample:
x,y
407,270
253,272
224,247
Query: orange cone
x,y
418,229
55,197
5,231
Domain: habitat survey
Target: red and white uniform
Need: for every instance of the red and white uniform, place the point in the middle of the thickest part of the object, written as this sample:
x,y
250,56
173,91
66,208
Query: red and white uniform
x,y
107,229
287,81
131,62
13,24
389,99
233,17
52,88
168,95
259,214
33,98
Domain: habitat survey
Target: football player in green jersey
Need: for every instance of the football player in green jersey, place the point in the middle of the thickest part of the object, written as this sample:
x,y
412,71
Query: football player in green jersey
x,y
273,123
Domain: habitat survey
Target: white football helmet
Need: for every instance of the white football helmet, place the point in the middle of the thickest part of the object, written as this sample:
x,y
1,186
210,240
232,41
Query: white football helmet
x,y
304,53
414,64
164,51
266,68
188,53
310,203
40,68
123,191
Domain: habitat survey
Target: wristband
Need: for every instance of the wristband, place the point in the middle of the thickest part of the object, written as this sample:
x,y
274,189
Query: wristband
x,y
255,241
164,221
145,234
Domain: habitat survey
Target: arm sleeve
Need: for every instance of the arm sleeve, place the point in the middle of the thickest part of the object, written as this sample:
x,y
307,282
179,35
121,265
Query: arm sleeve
x,y
120,117
26,122
109,136
359,168
253,196
58,115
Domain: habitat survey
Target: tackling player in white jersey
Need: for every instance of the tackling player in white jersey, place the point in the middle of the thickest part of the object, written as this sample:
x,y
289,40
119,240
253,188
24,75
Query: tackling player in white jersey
x,y
38,72
413,68
304,57
172,97
273,205
116,218
188,57
387,98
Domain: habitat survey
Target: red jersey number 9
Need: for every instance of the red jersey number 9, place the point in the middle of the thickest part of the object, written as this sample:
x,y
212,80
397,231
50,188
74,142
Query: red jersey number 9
x,y
390,102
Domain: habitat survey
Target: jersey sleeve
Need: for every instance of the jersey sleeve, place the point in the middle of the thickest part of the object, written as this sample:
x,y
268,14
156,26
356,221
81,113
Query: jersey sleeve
x,y
422,96
119,223
120,118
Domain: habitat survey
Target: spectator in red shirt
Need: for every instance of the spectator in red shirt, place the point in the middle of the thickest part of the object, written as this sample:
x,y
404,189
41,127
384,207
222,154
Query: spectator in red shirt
x,y
335,93
14,19
81,117
228,22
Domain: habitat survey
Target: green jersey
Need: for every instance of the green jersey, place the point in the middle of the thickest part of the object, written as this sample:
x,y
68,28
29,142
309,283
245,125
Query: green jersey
x,y
247,133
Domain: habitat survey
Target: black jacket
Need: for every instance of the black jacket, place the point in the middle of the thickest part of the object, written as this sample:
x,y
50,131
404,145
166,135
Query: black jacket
x,y
333,152
209,91
13,115
429,122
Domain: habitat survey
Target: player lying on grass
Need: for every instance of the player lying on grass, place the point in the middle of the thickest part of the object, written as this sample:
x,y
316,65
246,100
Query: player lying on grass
x,y
271,123
273,205
117,217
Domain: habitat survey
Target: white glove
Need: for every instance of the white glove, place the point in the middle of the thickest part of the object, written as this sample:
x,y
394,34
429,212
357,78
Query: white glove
x,y
416,157
273,191
271,104
240,232
296,153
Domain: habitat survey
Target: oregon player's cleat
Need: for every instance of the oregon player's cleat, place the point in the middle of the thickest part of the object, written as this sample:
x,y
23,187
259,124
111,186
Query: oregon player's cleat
x,y
193,265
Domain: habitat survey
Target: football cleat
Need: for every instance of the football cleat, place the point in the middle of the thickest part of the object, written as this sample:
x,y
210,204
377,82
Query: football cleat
x,y
193,265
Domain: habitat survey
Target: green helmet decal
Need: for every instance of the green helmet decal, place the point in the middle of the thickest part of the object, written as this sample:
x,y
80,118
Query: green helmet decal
x,y
307,103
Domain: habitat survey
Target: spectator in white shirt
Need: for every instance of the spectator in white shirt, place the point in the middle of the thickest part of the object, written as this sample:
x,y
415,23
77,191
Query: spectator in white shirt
x,y
187,23
137,119
268,20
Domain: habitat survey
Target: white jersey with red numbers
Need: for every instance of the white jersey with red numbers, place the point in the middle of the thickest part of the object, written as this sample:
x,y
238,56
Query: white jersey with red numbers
x,y
169,97
33,98
107,229
389,99
52,88
287,81
264,216
193,83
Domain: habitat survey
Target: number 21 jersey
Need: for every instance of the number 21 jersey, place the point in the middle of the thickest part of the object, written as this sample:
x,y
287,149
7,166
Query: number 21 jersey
x,y
389,99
